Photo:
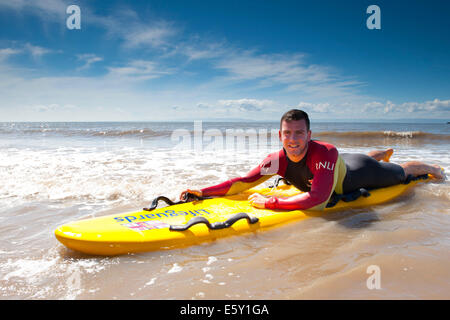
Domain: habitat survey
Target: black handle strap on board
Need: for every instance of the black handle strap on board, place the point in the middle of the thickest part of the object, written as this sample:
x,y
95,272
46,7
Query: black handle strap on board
x,y
410,178
352,196
216,225
277,182
187,198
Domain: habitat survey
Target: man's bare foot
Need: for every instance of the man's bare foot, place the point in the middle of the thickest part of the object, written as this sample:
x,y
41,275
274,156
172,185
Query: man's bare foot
x,y
387,154
417,168
381,155
438,173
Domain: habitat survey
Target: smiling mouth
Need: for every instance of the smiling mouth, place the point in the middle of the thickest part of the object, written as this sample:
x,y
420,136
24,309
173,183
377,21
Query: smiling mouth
x,y
293,146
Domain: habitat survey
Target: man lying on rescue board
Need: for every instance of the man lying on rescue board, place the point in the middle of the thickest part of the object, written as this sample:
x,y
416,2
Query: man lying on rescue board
x,y
318,169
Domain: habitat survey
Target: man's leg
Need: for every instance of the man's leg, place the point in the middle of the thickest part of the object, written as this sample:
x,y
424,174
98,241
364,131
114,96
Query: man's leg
x,y
364,171
417,168
381,154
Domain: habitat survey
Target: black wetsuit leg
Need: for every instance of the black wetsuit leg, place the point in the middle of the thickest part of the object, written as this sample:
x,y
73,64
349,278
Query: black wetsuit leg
x,y
364,171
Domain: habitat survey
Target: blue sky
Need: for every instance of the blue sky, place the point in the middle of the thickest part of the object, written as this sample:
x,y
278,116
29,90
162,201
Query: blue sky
x,y
189,60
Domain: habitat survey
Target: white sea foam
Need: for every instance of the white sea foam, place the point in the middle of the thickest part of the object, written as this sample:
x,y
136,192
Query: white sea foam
x,y
175,268
209,276
211,260
93,176
89,176
151,282
27,269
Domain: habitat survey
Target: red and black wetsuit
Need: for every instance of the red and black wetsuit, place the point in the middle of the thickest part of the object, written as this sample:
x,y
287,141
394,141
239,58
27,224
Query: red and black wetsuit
x,y
320,173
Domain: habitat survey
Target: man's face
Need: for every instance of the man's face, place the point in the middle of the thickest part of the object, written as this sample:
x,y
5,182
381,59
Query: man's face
x,y
295,137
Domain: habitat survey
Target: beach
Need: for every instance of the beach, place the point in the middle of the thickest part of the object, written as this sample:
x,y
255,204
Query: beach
x,y
53,173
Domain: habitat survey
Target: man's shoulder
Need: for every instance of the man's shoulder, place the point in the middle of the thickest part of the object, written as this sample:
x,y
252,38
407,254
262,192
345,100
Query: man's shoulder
x,y
321,146
320,152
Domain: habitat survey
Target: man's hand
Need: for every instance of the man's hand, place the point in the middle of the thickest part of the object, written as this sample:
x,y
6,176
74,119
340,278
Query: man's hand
x,y
198,193
257,200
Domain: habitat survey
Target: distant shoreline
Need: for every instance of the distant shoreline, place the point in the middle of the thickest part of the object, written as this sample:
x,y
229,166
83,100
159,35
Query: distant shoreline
x,y
400,121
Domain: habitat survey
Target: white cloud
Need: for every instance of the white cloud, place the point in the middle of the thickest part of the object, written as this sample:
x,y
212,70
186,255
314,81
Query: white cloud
x,y
36,51
5,53
134,33
51,107
111,97
211,50
290,74
142,35
248,105
373,106
138,70
435,107
125,24
88,59
429,109
204,106
197,48
48,10
317,107
286,69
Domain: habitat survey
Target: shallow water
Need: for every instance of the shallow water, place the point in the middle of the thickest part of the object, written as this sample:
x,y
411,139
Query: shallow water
x,y
49,179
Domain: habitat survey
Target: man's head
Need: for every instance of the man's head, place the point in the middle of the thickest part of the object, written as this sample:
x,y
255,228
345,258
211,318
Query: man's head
x,y
295,133
295,115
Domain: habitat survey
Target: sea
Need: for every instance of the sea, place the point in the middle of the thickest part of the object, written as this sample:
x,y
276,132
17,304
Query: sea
x,y
52,173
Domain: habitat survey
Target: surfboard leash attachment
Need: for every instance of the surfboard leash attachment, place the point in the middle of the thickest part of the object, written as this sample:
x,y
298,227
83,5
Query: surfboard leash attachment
x,y
216,225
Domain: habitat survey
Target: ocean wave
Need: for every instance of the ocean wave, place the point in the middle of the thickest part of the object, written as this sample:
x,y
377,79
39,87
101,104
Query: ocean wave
x,y
131,133
415,135
139,133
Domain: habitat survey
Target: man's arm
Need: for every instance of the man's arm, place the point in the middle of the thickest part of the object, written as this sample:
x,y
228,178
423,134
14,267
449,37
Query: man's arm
x,y
316,199
236,185
273,164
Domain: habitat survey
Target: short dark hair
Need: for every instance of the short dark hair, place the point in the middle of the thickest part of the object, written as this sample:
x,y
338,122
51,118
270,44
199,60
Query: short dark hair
x,y
295,115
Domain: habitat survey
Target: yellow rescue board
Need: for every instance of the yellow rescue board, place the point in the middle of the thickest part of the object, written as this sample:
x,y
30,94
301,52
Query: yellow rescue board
x,y
149,230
